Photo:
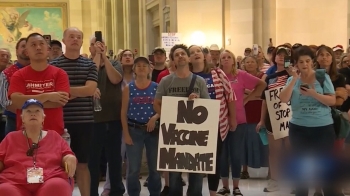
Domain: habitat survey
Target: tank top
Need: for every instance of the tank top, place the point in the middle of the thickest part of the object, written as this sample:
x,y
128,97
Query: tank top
x,y
141,102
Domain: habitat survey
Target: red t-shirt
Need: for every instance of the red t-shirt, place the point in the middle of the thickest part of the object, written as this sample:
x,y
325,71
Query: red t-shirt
x,y
13,154
162,75
31,82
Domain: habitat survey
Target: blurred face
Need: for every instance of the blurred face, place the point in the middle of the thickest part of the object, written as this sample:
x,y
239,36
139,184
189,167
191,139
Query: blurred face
x,y
227,62
196,55
73,39
215,55
239,59
260,54
142,69
338,54
4,59
55,51
33,115
159,57
247,52
208,58
127,58
20,52
180,58
304,64
37,48
92,48
280,58
324,58
250,64
345,62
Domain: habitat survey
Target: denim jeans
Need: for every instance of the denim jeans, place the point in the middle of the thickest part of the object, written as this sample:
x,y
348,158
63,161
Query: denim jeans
x,y
195,184
11,125
232,152
307,141
141,138
108,135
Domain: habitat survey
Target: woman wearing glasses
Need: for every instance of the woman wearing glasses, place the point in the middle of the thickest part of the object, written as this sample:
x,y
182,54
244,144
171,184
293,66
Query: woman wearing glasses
x,y
35,162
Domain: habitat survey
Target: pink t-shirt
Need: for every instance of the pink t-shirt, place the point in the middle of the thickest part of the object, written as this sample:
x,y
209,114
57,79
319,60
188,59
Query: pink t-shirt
x,y
241,81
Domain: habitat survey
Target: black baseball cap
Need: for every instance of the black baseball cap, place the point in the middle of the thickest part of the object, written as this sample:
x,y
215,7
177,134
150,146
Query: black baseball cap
x,y
159,49
56,42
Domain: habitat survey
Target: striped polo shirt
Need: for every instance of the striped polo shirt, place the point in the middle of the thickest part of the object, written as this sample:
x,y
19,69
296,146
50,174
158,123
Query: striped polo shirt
x,y
80,70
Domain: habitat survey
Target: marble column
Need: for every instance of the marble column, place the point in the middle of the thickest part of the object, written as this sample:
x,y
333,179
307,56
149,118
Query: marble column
x,y
268,22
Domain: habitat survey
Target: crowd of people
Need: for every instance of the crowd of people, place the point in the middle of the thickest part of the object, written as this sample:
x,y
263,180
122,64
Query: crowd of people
x,y
46,94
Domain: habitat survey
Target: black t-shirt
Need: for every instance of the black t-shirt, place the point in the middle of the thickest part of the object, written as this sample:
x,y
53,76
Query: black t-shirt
x,y
277,79
155,74
345,72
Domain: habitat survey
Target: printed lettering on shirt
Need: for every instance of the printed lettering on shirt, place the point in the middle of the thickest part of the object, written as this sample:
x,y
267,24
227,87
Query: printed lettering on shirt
x,y
179,91
40,86
143,100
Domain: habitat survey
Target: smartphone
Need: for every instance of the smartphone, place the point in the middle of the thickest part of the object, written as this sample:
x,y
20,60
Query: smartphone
x,y
270,40
304,86
98,36
47,38
255,49
151,58
287,60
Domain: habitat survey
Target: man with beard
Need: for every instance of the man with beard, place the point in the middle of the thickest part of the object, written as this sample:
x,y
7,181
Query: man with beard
x,y
5,77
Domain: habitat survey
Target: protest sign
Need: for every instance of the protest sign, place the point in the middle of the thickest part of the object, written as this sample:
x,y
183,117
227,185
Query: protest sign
x,y
188,135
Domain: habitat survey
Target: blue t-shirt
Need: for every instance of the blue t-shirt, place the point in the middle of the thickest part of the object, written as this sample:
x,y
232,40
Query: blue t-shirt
x,y
208,77
141,102
307,111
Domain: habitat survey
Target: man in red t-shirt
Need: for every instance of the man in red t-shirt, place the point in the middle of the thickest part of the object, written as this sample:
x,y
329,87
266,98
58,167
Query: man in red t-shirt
x,y
46,83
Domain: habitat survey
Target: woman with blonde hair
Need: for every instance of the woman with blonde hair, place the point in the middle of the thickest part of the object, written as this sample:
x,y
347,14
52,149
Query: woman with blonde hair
x,y
219,88
234,142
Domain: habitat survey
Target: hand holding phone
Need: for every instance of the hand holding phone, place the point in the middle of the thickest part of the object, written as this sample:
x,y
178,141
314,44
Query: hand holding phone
x,y
98,36
304,86
287,60
255,49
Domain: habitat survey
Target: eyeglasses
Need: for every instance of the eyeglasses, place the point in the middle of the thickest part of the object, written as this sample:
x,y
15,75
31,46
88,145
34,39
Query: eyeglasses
x,y
345,62
31,150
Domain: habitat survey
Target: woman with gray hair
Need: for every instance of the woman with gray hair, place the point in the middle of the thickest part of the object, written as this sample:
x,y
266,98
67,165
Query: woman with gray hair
x,y
34,161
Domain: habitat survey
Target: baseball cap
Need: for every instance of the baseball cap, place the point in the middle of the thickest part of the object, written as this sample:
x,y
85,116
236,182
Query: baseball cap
x,y
158,49
283,49
338,47
56,42
214,47
141,59
30,102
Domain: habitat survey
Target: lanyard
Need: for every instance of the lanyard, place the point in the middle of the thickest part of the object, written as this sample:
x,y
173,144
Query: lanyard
x,y
32,150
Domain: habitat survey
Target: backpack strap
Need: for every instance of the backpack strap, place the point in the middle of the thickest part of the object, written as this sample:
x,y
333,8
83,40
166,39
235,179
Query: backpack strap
x,y
190,89
320,76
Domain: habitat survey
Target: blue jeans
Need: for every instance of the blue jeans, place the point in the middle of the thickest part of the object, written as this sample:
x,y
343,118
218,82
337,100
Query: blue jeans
x,y
141,138
108,135
232,152
11,125
195,184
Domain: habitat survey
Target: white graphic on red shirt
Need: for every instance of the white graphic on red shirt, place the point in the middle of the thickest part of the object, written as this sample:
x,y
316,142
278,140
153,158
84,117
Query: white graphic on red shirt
x,y
40,86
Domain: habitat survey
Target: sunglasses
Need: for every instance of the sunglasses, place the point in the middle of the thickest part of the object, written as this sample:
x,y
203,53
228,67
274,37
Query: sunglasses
x,y
31,150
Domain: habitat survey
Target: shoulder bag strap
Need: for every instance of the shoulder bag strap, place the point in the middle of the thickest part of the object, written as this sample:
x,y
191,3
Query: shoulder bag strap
x,y
190,89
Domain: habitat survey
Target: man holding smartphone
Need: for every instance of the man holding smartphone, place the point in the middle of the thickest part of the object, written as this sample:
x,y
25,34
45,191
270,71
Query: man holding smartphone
x,y
107,132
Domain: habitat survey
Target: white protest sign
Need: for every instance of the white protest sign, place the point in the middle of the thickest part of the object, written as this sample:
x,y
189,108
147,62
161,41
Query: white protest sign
x,y
280,113
169,40
188,135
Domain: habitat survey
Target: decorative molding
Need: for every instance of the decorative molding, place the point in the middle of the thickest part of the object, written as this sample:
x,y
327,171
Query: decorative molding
x,y
152,4
166,13
155,22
